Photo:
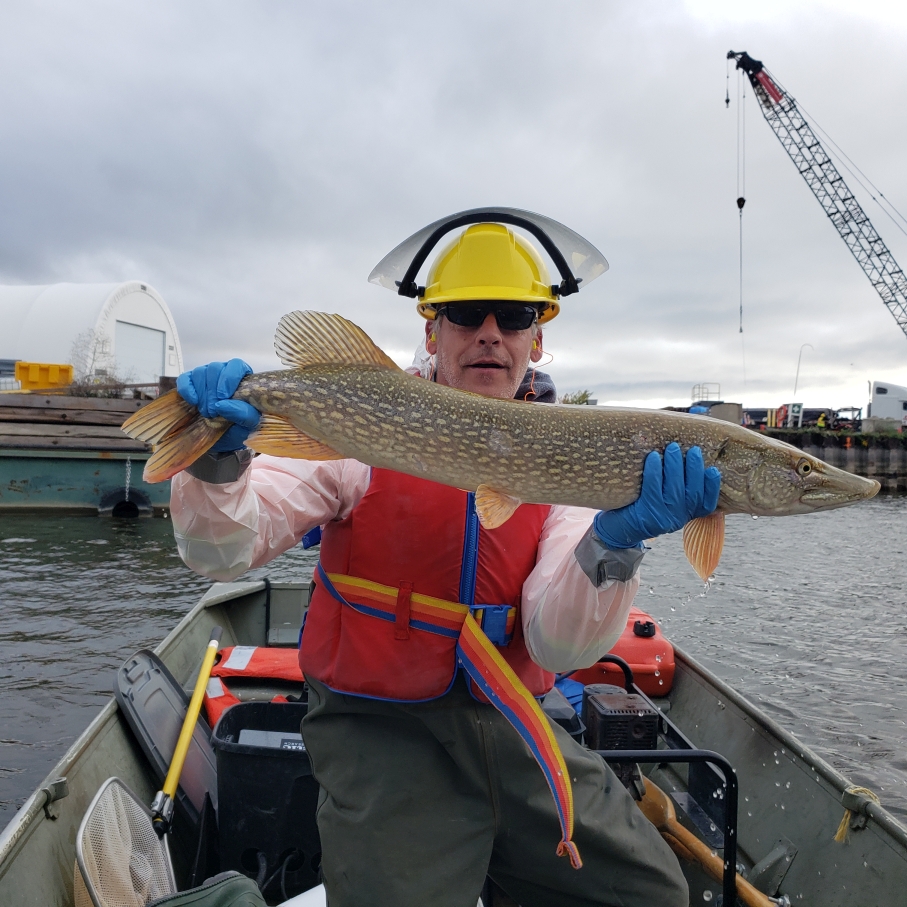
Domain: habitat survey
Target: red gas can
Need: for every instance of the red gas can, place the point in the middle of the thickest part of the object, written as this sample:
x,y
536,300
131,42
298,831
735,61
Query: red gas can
x,y
645,649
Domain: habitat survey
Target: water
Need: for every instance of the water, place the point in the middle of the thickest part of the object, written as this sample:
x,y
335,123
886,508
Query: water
x,y
78,595
806,616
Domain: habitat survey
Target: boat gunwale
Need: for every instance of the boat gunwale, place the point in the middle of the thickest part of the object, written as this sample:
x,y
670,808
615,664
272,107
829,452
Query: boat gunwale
x,y
884,819
20,825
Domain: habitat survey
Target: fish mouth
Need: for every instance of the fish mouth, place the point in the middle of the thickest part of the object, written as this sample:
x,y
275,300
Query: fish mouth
x,y
827,498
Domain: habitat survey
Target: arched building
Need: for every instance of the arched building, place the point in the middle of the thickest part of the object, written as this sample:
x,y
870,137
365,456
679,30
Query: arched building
x,y
123,330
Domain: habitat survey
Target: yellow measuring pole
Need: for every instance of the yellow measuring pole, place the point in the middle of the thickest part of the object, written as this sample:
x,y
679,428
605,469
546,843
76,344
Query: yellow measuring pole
x,y
162,807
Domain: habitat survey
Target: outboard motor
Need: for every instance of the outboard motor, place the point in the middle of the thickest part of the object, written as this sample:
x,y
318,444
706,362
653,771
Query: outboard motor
x,y
618,720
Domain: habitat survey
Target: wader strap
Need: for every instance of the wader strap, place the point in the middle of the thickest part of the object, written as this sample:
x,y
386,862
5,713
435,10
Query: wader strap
x,y
485,666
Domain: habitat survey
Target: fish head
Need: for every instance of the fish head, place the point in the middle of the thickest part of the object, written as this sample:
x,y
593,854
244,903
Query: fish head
x,y
772,478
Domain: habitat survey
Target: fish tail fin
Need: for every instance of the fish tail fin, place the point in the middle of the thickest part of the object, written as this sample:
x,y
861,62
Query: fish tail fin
x,y
318,338
703,541
177,431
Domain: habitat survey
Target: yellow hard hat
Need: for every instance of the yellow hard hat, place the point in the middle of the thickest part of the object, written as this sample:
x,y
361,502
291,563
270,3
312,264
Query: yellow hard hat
x,y
488,261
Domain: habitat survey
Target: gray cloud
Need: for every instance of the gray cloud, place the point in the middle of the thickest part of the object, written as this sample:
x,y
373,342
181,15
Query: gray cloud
x,y
247,159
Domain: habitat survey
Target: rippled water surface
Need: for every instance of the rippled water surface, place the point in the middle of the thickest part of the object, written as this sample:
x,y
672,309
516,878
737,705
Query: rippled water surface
x,y
806,616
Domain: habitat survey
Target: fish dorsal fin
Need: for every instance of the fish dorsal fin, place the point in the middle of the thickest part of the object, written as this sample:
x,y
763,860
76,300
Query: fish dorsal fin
x,y
494,507
280,438
318,338
703,540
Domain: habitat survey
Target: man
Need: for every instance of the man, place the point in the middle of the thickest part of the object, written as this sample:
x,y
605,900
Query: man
x,y
426,787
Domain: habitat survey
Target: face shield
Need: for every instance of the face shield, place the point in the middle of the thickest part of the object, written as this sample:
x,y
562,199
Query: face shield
x,y
577,261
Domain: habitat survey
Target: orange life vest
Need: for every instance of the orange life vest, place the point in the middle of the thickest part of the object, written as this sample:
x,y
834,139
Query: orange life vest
x,y
393,581
249,662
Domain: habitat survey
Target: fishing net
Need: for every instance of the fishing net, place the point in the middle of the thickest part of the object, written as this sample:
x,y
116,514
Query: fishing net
x,y
120,861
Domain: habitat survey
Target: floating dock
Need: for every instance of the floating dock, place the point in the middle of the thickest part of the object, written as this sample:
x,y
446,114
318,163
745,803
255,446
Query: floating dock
x,y
59,452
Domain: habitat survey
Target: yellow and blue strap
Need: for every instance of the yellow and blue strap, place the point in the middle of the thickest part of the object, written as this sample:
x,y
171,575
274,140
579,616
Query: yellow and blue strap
x,y
476,630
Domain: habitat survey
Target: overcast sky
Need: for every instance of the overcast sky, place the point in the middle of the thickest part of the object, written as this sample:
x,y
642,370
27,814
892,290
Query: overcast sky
x,y
247,159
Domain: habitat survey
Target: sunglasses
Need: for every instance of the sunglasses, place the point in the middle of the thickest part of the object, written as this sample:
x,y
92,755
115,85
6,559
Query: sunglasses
x,y
510,316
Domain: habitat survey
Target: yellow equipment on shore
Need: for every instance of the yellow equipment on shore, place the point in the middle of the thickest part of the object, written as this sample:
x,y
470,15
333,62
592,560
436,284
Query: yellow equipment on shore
x,y
43,375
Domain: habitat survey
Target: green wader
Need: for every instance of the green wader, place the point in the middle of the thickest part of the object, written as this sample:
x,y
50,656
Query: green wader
x,y
420,801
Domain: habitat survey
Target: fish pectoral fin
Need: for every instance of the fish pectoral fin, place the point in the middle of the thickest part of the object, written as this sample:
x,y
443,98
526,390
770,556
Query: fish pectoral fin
x,y
278,437
703,540
494,507
318,338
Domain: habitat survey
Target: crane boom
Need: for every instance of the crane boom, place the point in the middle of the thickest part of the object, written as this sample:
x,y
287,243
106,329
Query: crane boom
x,y
816,167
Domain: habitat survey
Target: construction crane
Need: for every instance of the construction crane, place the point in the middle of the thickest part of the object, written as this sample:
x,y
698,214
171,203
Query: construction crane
x,y
816,167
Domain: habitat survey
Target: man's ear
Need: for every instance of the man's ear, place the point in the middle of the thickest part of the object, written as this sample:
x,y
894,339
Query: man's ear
x,y
535,354
431,337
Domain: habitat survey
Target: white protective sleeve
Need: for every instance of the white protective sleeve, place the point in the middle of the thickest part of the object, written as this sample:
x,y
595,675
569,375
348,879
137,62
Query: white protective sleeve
x,y
567,622
223,530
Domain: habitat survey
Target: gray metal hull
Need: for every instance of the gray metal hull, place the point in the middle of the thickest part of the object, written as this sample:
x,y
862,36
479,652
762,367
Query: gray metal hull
x,y
790,796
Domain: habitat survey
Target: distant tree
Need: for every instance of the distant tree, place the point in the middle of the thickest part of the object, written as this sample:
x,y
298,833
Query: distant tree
x,y
577,398
95,372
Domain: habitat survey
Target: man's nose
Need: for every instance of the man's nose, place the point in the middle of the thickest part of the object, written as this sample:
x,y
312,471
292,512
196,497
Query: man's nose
x,y
488,331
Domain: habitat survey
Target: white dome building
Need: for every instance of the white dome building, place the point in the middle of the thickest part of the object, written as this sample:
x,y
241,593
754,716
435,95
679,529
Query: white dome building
x,y
123,330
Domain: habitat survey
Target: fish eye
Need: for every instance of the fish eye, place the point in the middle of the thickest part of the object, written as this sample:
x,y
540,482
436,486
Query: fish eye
x,y
804,468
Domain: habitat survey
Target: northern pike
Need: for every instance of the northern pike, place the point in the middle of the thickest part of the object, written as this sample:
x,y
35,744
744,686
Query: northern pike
x,y
344,397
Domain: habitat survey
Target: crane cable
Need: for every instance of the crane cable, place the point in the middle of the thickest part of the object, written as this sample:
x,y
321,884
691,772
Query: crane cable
x,y
858,175
741,190
741,174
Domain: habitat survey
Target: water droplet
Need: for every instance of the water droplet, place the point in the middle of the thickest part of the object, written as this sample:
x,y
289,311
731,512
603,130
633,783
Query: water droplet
x,y
746,799
787,786
651,591
865,863
661,683
749,813
658,658
755,517
657,673
707,895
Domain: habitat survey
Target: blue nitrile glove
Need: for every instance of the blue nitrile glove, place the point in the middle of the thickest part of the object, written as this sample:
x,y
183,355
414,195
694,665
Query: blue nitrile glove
x,y
209,387
666,503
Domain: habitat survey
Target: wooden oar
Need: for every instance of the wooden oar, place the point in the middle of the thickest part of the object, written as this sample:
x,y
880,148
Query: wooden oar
x,y
658,808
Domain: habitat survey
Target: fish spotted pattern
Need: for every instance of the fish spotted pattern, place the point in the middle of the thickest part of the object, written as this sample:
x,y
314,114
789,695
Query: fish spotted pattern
x,y
343,397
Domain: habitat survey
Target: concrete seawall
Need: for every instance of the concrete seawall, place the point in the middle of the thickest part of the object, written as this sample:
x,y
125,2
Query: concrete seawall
x,y
882,457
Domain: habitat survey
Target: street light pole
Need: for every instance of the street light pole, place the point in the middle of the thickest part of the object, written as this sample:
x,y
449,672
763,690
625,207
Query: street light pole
x,y
797,379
